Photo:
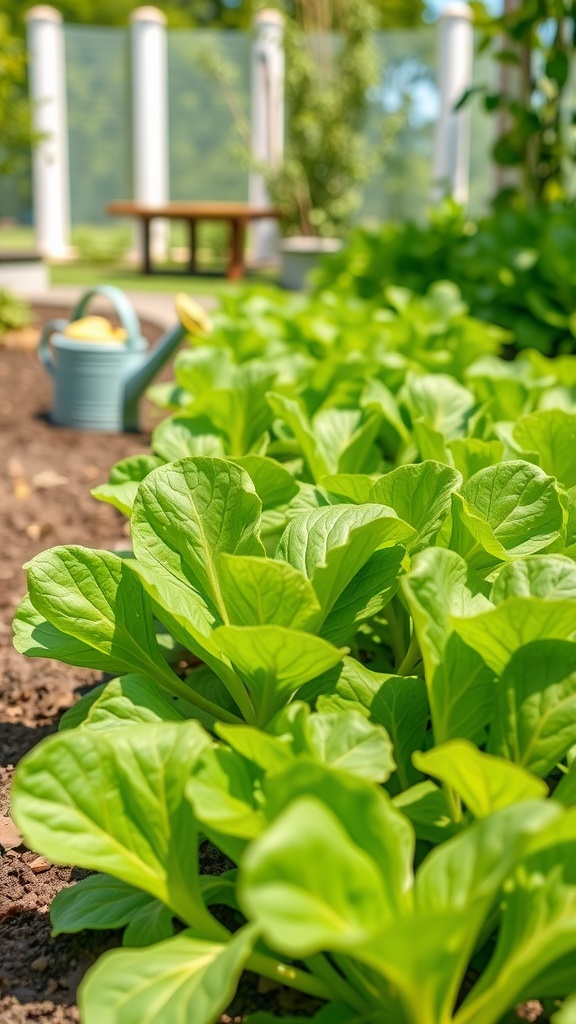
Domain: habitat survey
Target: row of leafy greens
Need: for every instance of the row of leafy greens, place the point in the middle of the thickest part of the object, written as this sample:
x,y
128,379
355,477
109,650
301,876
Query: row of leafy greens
x,y
514,267
342,651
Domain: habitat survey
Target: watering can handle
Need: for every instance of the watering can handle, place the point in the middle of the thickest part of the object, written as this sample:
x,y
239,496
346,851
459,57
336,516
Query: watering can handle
x,y
44,350
121,307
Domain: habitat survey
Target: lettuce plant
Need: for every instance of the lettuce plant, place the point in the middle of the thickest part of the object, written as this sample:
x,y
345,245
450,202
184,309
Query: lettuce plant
x,y
325,388
463,588
326,874
513,267
342,643
264,626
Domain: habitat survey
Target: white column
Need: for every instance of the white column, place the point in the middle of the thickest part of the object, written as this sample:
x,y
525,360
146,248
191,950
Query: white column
x,y
150,116
49,111
267,121
452,141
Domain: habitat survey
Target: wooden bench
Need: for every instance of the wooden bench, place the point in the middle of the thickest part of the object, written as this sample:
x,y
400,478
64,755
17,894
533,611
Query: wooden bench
x,y
236,214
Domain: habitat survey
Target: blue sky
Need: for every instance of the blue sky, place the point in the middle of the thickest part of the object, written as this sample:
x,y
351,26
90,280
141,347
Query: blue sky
x,y
435,6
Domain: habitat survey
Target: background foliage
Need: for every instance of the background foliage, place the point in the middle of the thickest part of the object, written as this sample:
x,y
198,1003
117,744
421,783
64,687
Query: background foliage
x,y
201,13
533,43
514,267
15,118
327,83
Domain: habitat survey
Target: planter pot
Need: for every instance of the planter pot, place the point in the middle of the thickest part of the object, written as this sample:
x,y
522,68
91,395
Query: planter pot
x,y
300,255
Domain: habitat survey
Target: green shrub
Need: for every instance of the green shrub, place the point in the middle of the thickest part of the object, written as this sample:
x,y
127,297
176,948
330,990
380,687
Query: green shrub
x,y
96,245
15,313
514,268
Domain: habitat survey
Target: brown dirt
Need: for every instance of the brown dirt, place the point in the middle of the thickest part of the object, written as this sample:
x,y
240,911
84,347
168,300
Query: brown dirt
x,y
45,478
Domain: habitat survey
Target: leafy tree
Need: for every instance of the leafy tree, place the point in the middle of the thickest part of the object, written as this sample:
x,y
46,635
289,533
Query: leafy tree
x,y
235,14
15,121
387,13
533,42
180,13
398,13
331,64
327,84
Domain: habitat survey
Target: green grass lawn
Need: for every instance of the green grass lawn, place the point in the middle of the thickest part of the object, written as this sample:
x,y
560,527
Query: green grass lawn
x,y
17,237
130,279
101,261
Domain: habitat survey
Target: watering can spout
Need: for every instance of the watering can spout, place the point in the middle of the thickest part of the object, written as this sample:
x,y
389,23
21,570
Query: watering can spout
x,y
140,378
192,319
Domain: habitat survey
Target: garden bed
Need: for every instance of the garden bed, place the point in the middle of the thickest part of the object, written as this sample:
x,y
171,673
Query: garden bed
x,y
45,500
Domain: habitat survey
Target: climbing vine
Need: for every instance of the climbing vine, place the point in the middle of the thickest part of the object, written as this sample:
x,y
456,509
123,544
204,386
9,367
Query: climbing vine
x,y
536,139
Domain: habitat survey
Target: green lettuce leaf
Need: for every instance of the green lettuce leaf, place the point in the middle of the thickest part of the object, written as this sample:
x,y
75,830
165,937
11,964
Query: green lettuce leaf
x,y
185,515
114,802
274,662
123,481
534,718
485,783
506,511
421,496
517,621
185,978
262,591
102,902
551,433
332,544
303,903
96,598
179,437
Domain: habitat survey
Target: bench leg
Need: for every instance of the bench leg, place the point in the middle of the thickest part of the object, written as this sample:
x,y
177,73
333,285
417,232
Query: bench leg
x,y
192,266
237,240
147,260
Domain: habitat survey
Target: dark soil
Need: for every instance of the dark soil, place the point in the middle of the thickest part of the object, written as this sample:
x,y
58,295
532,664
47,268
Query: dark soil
x,y
45,478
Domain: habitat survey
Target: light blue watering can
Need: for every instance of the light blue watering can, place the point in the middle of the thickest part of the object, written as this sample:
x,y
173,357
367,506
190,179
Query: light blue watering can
x,y
98,385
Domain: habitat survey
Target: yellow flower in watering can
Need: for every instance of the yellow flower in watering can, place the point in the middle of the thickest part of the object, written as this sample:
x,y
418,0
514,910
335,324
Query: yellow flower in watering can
x,y
94,329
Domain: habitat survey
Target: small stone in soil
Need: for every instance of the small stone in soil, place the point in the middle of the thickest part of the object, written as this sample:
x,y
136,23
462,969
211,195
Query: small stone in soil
x,y
10,837
37,530
530,1010
39,864
39,964
48,478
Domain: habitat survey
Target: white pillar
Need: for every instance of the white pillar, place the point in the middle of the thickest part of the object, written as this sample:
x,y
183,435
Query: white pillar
x,y
267,121
150,116
49,111
452,141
